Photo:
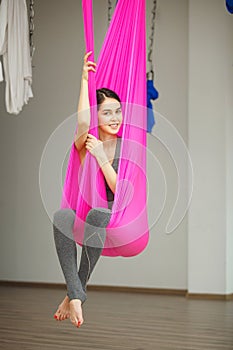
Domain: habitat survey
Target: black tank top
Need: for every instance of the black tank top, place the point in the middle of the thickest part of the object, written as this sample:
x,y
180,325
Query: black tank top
x,y
115,163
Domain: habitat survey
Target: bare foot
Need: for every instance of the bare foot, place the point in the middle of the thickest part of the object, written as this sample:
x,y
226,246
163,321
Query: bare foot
x,y
76,314
63,311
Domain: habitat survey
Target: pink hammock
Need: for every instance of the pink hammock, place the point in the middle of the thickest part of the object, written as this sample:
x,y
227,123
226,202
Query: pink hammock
x,y
121,67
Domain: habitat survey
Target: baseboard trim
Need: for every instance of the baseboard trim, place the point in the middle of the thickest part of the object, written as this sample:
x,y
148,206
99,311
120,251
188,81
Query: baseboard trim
x,y
32,284
92,287
123,289
141,290
205,296
96,287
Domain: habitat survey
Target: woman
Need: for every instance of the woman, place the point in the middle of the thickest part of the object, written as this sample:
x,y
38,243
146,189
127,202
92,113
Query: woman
x,y
106,150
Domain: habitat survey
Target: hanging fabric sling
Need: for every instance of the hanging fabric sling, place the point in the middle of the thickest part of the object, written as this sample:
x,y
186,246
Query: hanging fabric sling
x,y
121,67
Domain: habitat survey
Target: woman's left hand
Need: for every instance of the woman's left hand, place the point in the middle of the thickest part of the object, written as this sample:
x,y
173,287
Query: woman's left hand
x,y
95,147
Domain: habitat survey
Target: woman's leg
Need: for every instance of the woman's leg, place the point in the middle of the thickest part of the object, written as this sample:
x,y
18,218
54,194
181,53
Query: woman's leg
x,y
67,252
94,237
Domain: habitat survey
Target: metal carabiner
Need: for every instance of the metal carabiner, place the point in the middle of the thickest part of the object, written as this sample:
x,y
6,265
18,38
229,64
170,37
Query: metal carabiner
x,y
150,75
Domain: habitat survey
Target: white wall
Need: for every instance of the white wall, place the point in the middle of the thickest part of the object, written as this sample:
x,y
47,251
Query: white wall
x,y
210,144
27,252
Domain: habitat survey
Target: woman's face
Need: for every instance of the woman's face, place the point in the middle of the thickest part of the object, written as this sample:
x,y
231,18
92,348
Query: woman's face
x,y
110,116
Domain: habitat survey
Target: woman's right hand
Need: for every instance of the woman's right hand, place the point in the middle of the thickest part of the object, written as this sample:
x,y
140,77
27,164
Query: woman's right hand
x,y
88,65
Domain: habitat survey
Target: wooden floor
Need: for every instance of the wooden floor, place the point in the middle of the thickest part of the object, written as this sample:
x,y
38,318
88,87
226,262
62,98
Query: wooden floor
x,y
113,321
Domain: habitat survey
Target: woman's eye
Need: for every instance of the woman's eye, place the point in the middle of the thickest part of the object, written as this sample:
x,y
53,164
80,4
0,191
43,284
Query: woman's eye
x,y
118,111
106,113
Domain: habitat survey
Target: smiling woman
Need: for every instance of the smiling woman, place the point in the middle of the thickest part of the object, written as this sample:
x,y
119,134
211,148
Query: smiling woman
x,y
86,216
106,150
109,112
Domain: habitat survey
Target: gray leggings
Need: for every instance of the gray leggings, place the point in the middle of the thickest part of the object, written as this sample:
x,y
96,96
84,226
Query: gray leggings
x,y
94,237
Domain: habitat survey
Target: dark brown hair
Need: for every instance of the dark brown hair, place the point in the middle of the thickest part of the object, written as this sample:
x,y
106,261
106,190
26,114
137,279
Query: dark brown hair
x,y
101,95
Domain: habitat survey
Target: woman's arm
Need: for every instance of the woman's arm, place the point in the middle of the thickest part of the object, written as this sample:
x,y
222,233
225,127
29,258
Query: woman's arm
x,y
84,105
95,147
108,171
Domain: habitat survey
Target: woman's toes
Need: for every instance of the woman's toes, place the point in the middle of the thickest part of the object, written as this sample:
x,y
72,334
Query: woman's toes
x,y
57,315
62,312
65,316
73,321
79,323
76,316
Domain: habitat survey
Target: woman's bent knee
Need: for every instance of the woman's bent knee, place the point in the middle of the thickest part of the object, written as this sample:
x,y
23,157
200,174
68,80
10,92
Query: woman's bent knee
x,y
98,217
63,219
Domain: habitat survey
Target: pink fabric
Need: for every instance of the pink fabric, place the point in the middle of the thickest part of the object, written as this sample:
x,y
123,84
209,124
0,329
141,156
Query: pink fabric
x,y
121,67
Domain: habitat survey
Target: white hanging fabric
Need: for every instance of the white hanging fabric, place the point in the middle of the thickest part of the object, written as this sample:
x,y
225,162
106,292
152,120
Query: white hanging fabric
x,y
15,49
